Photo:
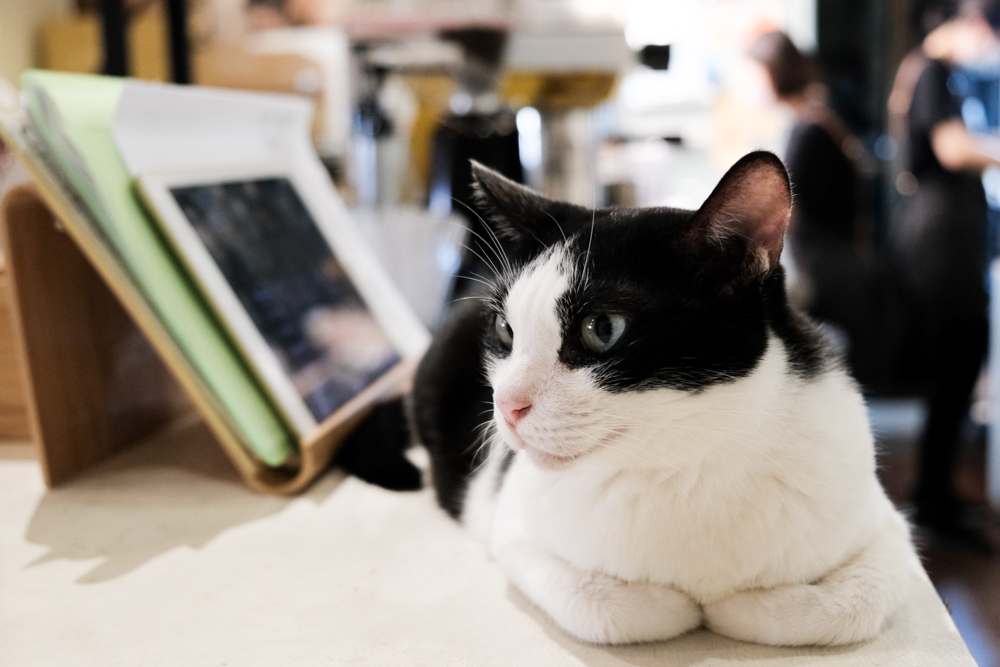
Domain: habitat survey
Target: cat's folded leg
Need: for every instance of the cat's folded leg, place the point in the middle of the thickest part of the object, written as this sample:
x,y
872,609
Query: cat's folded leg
x,y
595,607
850,604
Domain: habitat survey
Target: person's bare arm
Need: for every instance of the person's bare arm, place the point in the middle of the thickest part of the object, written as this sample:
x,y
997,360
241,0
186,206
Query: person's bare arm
x,y
958,149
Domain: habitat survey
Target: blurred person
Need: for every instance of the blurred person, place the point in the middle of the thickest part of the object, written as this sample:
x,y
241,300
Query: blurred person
x,y
942,238
843,284
926,16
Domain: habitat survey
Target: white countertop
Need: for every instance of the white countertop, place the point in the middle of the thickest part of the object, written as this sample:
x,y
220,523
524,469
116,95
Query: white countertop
x,y
162,557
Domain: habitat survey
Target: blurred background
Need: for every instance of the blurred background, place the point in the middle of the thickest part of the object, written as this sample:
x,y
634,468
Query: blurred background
x,y
623,103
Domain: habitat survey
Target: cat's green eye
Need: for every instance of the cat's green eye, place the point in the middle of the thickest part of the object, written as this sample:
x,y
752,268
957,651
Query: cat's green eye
x,y
601,332
504,332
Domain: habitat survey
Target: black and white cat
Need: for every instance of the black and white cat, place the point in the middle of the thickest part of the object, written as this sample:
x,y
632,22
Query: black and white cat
x,y
648,438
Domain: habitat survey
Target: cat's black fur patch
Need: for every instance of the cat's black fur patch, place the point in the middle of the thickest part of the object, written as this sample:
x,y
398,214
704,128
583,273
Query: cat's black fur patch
x,y
452,401
375,450
682,331
808,354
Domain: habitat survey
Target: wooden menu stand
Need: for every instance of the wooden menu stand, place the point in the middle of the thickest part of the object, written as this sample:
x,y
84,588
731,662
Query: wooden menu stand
x,y
101,371
13,414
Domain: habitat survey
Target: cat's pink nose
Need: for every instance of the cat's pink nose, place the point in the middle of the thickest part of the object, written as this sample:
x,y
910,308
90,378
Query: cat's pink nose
x,y
514,409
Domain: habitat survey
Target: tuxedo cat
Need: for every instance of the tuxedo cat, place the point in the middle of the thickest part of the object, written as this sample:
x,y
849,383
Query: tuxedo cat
x,y
645,434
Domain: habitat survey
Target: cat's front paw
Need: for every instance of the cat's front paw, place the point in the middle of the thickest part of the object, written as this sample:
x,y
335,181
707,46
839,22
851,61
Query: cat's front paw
x,y
799,615
606,610
744,616
593,606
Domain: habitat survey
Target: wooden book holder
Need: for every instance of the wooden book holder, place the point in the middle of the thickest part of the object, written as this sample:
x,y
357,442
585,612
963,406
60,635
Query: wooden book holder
x,y
101,371
13,413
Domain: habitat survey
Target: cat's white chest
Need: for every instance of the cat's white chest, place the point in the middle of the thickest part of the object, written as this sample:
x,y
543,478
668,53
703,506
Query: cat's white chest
x,y
707,534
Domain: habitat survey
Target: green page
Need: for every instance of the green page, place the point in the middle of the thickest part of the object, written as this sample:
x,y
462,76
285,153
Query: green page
x,y
73,115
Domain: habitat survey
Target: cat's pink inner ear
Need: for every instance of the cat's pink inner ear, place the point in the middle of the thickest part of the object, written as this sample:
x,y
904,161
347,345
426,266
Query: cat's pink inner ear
x,y
752,202
761,214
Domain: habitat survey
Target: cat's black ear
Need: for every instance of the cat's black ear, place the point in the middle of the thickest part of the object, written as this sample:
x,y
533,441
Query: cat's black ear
x,y
517,212
745,217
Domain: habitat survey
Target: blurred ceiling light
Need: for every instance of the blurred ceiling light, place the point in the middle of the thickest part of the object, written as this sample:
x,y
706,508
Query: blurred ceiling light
x,y
600,11
661,22
529,136
658,22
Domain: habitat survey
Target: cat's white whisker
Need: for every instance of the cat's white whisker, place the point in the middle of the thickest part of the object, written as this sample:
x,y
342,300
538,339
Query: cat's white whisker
x,y
553,218
471,297
499,247
498,251
488,439
482,280
486,260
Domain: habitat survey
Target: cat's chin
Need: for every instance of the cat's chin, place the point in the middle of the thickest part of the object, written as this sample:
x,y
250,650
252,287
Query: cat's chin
x,y
548,461
539,457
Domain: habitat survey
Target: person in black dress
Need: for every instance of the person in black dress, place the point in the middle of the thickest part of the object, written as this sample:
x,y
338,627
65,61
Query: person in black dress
x,y
942,238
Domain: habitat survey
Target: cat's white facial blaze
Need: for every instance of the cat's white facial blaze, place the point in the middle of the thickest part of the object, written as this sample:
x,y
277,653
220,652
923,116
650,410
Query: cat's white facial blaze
x,y
541,406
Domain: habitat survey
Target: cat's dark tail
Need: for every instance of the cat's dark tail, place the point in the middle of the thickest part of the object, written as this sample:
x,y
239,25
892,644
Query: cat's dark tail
x,y
375,450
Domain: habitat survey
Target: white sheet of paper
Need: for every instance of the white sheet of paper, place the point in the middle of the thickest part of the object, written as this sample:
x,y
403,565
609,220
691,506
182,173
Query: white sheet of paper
x,y
162,127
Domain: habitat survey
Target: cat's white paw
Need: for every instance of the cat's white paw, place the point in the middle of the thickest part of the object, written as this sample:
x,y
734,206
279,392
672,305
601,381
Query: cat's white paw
x,y
848,605
593,606
800,615
747,616
605,610
588,604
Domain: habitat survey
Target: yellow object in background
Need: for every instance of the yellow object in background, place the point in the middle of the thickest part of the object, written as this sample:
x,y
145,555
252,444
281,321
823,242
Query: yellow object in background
x,y
553,91
432,92
557,90
74,44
